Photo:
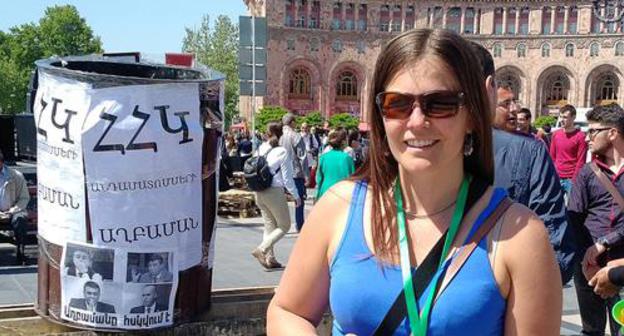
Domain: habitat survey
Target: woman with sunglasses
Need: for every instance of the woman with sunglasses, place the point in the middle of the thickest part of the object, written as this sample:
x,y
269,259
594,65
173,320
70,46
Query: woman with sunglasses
x,y
425,186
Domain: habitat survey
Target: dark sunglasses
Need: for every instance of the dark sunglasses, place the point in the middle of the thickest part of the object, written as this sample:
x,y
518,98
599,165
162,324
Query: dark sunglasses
x,y
434,104
592,132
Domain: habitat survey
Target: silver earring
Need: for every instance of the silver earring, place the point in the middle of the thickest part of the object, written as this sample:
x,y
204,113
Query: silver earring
x,y
427,124
468,144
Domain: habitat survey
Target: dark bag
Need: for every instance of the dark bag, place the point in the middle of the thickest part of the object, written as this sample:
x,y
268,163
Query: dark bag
x,y
257,173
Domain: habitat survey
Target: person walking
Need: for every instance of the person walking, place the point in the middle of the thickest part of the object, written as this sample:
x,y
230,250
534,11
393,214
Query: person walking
x,y
272,201
335,165
568,148
294,145
594,211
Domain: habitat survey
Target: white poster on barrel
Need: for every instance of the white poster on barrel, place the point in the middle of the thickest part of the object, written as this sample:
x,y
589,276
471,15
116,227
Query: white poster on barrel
x,y
60,109
142,148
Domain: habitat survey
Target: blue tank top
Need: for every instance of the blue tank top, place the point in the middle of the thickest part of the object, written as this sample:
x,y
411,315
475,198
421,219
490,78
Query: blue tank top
x,y
361,291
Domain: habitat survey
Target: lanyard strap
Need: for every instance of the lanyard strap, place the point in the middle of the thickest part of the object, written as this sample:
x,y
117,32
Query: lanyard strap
x,y
418,323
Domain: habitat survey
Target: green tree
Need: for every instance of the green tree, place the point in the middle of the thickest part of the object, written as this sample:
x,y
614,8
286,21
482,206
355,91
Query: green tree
x,y
217,48
267,114
545,120
345,120
60,32
313,119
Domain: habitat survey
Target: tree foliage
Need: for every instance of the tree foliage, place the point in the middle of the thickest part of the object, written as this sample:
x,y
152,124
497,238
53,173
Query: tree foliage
x,y
217,48
344,120
267,114
545,120
313,119
60,32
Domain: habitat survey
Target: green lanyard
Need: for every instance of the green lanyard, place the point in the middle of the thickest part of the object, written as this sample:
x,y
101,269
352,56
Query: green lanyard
x,y
419,322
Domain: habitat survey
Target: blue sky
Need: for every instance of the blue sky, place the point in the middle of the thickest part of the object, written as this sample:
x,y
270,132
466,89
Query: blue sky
x,y
152,27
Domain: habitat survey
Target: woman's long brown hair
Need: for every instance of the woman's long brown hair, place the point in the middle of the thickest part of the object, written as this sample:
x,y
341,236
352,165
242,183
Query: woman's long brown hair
x,y
380,168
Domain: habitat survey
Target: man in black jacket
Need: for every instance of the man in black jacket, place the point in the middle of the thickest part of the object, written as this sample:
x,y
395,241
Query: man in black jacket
x,y
149,302
91,301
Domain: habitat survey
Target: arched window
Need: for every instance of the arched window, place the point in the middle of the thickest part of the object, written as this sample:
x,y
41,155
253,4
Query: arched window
x,y
573,20
511,21
498,21
569,50
337,45
619,49
469,21
556,89
299,83
606,89
453,19
546,14
524,21
521,50
314,44
559,19
346,86
497,50
545,50
594,49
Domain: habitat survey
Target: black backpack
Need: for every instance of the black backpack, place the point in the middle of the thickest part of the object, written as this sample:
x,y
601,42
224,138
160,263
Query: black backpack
x,y
257,172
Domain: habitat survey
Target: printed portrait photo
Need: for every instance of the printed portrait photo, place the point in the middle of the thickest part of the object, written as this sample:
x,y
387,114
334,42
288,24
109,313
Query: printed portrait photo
x,y
150,267
89,263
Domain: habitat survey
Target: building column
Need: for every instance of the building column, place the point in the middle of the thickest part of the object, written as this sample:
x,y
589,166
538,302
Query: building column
x,y
431,16
504,21
444,9
463,18
518,10
296,13
403,6
309,13
343,15
566,18
475,21
553,14
356,15
603,12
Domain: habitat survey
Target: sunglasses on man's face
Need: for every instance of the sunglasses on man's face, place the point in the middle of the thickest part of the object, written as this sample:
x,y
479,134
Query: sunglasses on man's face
x,y
434,104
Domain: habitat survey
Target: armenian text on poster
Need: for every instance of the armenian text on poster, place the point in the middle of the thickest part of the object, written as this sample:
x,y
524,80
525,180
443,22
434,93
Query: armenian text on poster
x,y
60,108
142,148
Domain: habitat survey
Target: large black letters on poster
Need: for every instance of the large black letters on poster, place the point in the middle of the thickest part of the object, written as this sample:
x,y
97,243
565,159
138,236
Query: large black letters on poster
x,y
99,146
63,126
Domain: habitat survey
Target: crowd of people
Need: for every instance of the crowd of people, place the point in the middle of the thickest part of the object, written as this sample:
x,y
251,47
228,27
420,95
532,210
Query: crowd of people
x,y
455,201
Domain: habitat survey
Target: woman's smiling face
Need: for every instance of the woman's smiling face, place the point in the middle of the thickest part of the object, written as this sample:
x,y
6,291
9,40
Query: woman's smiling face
x,y
420,143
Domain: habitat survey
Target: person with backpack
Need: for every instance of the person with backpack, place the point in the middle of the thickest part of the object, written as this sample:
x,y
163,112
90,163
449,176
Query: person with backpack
x,y
270,197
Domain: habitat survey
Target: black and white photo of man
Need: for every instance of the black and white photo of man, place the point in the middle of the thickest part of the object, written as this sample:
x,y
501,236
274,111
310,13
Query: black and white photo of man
x,y
91,301
156,271
150,302
81,265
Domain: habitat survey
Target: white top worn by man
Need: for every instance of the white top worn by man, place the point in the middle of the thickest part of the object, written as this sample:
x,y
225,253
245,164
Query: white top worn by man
x,y
14,199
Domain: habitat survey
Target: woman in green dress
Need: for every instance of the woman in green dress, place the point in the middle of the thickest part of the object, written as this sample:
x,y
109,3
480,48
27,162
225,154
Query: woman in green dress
x,y
335,165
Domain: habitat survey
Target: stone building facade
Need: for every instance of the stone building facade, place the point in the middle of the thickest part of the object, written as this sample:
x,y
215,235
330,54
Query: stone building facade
x,y
321,53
